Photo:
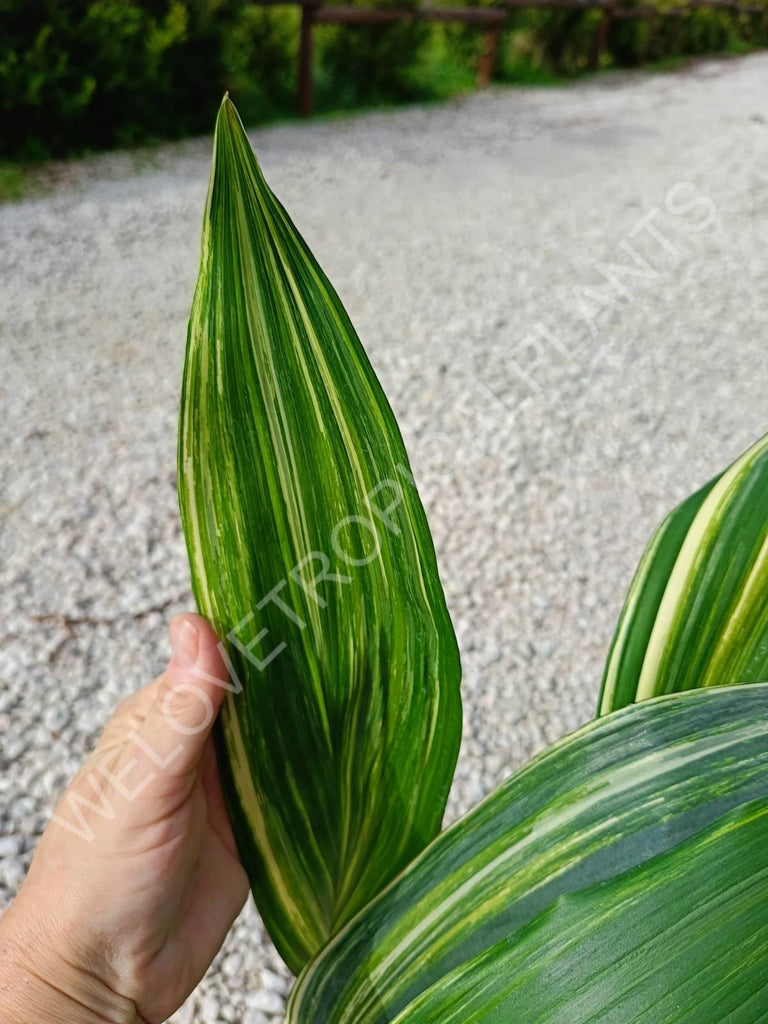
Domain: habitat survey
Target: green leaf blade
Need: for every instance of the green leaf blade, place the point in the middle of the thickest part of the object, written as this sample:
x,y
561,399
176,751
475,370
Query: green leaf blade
x,y
310,552
671,940
625,658
697,611
624,790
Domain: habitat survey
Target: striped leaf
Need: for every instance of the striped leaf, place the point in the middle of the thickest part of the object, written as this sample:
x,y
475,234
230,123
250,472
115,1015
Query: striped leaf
x,y
697,611
581,855
310,552
658,943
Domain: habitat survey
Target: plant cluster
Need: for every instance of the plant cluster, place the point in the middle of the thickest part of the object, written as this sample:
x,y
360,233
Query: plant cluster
x,y
623,874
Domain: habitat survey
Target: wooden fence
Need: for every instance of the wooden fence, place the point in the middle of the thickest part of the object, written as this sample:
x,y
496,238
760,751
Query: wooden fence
x,y
491,19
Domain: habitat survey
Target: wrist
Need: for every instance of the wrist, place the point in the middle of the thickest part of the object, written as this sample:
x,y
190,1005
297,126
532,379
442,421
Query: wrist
x,y
40,981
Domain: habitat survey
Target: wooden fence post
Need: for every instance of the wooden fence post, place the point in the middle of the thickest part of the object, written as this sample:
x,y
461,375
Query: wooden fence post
x,y
306,100
488,57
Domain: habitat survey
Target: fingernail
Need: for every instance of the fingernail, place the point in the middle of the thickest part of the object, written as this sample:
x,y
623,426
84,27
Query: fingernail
x,y
185,641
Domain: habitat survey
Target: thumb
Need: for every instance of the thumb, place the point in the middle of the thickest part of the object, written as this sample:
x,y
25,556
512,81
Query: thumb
x,y
188,697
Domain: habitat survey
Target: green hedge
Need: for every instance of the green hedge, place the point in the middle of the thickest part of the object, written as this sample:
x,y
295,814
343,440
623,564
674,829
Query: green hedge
x,y
90,74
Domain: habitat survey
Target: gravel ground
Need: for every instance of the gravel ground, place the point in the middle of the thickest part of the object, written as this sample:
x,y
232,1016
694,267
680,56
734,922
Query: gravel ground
x,y
552,418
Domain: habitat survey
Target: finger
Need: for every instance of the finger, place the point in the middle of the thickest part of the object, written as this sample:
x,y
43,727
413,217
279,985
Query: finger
x,y
187,699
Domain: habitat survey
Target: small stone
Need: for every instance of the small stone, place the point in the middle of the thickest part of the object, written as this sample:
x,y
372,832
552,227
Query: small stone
x,y
272,981
266,1000
55,718
11,874
14,748
232,966
210,1008
10,846
23,807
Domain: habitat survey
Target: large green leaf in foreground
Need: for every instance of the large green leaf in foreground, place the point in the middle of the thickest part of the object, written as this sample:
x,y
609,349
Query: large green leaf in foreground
x,y
657,944
311,554
697,611
622,876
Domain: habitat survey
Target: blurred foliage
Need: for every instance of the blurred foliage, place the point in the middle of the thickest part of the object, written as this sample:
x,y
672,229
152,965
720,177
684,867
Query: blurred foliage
x,y
260,62
370,64
12,182
90,74
687,34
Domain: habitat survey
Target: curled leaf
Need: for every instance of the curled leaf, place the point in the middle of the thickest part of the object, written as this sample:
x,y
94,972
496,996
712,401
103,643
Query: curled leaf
x,y
697,611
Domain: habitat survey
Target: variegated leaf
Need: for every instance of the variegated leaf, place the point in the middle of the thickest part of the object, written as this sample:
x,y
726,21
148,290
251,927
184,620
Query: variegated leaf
x,y
617,814
661,943
311,554
697,611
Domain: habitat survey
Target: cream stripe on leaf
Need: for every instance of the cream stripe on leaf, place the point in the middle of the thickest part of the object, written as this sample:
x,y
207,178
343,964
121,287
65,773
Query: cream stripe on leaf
x,y
310,552
697,611
621,876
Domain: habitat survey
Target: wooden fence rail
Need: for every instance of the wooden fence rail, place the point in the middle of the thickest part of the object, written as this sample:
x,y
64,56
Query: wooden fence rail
x,y
492,19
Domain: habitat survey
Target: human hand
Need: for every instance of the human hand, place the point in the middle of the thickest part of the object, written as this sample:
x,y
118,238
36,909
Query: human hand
x,y
137,880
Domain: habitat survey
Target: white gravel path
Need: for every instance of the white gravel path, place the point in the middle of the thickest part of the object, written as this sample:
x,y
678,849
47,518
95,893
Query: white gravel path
x,y
465,240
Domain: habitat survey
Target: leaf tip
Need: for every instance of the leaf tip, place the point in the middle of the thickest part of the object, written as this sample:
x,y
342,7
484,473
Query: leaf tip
x,y
228,117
